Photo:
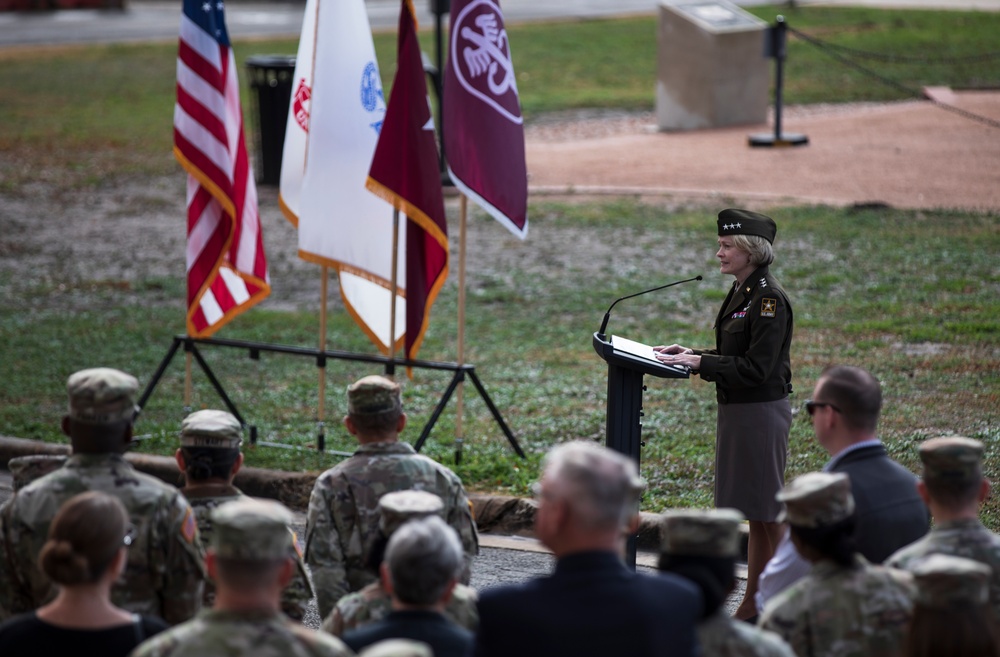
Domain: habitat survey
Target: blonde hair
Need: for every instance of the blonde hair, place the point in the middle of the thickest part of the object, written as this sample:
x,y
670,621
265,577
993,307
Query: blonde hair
x,y
759,249
84,537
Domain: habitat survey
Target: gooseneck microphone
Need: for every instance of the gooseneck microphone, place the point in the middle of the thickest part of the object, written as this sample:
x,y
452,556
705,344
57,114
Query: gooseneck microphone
x,y
607,315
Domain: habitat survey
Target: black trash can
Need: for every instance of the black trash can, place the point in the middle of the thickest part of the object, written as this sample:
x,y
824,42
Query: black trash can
x,y
271,78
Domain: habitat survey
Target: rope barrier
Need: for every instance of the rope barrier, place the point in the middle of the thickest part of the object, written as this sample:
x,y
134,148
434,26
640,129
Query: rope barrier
x,y
834,52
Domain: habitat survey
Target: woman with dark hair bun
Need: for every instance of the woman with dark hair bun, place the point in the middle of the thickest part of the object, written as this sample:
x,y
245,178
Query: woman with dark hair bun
x,y
86,551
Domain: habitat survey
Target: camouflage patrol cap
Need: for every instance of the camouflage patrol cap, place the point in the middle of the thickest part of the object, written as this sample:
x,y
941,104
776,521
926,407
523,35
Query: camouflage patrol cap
x,y
703,533
373,394
944,581
400,506
102,396
816,499
252,530
953,458
397,648
744,222
211,428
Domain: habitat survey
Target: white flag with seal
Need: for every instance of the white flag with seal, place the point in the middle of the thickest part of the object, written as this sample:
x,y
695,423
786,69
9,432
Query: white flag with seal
x,y
334,119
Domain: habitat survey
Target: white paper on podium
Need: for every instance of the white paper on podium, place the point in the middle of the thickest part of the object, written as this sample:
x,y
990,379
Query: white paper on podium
x,y
642,351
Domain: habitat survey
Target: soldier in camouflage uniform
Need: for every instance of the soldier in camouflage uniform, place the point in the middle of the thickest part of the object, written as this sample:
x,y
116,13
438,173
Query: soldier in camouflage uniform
x,y
952,615
845,607
342,524
953,487
373,602
248,558
165,573
703,546
209,457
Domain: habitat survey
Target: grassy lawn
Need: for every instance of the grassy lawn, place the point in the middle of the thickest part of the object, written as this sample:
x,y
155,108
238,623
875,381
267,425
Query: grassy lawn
x,y
913,296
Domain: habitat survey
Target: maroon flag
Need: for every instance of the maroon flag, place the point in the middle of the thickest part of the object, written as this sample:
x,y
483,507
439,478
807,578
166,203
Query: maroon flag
x,y
404,171
483,127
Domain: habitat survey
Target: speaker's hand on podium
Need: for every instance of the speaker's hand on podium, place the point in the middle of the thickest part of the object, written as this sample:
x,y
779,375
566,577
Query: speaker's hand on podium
x,y
676,354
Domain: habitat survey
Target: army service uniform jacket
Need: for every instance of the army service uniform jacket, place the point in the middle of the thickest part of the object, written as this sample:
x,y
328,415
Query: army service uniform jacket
x,y
342,525
165,571
753,337
204,498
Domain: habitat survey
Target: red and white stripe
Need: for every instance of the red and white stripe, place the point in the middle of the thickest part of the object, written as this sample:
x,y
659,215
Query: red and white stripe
x,y
226,264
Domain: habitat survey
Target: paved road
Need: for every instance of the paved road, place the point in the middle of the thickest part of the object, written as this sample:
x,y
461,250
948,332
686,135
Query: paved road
x,y
155,20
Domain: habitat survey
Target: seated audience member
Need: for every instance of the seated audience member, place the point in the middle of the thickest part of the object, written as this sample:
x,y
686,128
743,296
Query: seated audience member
x,y
423,560
85,553
845,606
951,614
165,573
593,604
342,523
249,560
844,411
210,457
703,546
373,602
953,487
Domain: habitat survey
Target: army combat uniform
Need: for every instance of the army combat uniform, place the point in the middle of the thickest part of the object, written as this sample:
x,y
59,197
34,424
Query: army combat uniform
x,y
957,460
855,610
343,523
245,530
164,575
372,604
297,595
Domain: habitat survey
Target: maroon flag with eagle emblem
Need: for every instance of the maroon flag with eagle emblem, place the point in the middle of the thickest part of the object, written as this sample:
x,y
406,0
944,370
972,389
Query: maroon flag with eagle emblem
x,y
482,123
404,172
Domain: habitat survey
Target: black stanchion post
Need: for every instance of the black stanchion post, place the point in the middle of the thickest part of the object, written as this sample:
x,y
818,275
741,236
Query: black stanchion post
x,y
774,46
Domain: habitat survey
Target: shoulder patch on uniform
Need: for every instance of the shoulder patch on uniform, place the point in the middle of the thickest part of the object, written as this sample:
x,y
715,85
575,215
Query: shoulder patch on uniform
x,y
189,527
767,307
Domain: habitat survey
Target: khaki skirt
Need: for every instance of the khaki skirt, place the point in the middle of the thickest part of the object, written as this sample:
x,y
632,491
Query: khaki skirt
x,y
751,449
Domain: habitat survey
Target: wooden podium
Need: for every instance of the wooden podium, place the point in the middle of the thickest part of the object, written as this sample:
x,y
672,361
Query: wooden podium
x,y
626,368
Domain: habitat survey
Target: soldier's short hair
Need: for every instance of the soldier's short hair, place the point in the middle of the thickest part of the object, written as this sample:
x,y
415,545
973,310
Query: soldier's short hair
x,y
85,534
856,394
203,463
423,557
759,249
601,486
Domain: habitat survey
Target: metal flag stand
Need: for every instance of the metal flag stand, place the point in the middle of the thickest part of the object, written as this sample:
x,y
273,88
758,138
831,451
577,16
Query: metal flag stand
x,y
775,47
461,371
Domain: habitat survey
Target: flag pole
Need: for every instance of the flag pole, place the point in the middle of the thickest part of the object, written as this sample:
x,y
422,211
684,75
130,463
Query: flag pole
x,y
321,363
390,366
459,398
187,381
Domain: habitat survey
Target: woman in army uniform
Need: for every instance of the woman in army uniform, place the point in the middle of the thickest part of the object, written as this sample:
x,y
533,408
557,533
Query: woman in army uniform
x,y
751,369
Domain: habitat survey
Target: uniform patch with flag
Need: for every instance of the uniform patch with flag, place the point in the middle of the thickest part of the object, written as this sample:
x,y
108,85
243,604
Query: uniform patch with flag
x,y
405,173
226,265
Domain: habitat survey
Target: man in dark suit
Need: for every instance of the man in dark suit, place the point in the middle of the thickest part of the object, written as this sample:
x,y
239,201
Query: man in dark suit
x,y
588,500
423,561
844,410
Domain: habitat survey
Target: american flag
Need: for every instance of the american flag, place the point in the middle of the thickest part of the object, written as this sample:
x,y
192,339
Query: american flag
x,y
226,265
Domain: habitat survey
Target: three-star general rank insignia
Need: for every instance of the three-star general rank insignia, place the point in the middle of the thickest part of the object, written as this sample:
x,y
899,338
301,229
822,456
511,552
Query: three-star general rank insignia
x,y
767,307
